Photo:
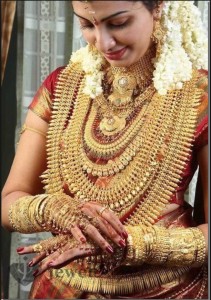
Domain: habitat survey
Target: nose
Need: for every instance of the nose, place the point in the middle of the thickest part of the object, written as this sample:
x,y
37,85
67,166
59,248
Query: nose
x,y
104,41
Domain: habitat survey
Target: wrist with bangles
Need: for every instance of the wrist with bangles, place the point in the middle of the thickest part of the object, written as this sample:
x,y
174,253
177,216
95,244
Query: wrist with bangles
x,y
57,213
159,245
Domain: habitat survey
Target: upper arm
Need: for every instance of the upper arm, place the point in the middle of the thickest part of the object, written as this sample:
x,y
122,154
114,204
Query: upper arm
x,y
30,159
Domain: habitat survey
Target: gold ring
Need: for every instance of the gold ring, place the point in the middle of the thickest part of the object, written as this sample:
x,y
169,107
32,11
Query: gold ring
x,y
37,248
102,210
83,224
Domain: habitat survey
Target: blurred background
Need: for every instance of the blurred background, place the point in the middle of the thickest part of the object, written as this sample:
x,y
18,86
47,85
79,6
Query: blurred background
x,y
36,38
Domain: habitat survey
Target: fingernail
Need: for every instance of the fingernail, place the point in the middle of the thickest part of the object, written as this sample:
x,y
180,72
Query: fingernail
x,y
35,272
109,249
125,235
82,240
51,263
19,249
30,263
122,243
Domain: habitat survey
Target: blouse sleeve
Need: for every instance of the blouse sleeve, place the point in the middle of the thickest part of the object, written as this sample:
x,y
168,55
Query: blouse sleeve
x,y
201,133
42,102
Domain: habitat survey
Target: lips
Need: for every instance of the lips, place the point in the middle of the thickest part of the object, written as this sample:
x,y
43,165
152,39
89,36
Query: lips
x,y
116,55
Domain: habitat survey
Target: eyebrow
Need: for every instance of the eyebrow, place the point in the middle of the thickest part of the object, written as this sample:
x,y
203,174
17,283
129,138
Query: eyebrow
x,y
106,18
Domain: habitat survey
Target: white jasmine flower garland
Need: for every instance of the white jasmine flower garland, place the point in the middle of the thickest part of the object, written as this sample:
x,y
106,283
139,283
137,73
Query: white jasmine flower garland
x,y
91,62
185,46
195,42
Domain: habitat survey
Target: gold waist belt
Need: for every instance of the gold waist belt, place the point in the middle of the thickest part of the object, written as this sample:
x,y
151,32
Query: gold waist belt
x,y
141,281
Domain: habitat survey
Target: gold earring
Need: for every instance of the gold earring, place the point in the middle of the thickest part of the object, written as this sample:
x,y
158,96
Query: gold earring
x,y
157,34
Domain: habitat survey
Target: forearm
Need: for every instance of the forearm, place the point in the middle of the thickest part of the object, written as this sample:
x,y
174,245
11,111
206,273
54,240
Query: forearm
x,y
28,214
170,247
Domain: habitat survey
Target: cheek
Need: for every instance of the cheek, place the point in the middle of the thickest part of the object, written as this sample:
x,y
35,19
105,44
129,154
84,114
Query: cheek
x,y
89,37
143,37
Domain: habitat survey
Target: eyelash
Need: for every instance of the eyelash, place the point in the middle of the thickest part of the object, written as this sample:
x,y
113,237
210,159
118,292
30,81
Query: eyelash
x,y
111,26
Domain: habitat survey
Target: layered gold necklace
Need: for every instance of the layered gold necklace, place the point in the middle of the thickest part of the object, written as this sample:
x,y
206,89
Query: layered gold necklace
x,y
143,155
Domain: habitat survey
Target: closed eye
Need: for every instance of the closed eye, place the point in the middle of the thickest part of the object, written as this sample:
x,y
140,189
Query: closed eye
x,y
118,26
86,26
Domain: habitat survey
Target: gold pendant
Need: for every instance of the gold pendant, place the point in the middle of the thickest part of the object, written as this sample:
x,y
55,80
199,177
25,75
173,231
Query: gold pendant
x,y
123,87
112,124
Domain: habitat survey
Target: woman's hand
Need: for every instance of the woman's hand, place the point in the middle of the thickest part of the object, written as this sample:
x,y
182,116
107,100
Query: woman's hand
x,y
95,225
98,222
57,252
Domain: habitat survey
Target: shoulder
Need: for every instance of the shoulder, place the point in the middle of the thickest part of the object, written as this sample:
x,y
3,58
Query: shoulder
x,y
50,81
43,100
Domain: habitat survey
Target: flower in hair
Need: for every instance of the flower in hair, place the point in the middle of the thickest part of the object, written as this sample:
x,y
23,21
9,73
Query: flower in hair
x,y
184,46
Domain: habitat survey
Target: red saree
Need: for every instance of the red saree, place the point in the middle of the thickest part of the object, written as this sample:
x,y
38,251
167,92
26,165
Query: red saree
x,y
189,284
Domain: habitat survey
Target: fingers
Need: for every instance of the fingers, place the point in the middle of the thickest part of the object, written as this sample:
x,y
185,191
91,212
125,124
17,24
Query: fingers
x,y
63,256
92,208
28,249
78,235
112,219
96,236
72,254
44,264
108,227
36,259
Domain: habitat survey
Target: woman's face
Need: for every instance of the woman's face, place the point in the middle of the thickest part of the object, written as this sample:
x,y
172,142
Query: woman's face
x,y
120,30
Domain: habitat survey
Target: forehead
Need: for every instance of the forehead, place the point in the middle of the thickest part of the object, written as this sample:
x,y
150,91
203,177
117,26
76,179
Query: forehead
x,y
103,8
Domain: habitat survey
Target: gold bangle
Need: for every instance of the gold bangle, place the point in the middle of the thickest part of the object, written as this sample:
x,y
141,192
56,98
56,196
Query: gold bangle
x,y
200,245
25,127
136,246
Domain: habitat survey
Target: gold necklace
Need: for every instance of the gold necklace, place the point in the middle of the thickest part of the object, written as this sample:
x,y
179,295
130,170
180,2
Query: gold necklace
x,y
147,183
110,149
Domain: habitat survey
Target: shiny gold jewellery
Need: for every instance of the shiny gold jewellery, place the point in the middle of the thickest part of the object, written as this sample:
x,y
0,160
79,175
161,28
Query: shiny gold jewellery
x,y
149,167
